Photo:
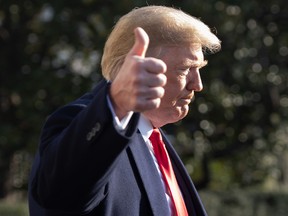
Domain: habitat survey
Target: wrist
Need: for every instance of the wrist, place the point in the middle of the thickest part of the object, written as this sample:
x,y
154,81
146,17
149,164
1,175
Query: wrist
x,y
120,112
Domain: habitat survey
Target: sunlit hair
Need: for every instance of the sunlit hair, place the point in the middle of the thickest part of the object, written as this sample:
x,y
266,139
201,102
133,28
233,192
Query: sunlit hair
x,y
164,26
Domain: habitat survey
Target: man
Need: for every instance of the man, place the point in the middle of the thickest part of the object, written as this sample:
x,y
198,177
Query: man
x,y
97,155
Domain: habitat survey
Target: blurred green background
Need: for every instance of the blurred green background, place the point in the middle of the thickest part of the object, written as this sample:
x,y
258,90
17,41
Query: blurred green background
x,y
234,141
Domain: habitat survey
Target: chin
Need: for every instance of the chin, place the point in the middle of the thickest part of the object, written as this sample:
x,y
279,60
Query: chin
x,y
179,115
183,111
167,116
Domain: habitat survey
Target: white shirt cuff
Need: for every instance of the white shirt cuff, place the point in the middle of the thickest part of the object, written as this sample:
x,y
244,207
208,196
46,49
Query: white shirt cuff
x,y
119,125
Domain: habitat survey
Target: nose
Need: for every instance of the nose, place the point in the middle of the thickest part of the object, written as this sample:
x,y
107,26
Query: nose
x,y
194,82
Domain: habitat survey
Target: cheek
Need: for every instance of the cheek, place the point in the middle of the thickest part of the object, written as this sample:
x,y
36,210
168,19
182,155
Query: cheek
x,y
172,93
175,85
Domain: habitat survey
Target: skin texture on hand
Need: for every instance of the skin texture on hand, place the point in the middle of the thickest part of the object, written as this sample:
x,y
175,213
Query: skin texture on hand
x,y
139,84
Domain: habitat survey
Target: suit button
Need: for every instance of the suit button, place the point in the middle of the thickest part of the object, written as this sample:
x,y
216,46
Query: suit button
x,y
93,131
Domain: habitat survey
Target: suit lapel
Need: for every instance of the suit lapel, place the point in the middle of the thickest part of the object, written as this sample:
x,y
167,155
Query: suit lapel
x,y
149,176
151,182
189,192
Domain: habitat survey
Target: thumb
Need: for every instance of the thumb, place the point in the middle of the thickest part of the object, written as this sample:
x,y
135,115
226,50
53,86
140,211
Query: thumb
x,y
141,42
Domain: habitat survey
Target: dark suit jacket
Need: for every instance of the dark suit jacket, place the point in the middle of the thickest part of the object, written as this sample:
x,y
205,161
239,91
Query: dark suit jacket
x,y
84,166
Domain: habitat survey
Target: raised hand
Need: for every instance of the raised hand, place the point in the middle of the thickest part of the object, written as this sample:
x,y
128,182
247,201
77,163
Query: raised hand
x,y
139,83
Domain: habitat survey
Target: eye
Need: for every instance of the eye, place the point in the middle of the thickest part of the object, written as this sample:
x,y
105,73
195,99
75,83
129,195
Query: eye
x,y
184,71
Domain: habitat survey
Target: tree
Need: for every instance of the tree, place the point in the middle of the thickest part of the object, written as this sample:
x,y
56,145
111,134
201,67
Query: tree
x,y
238,127
236,131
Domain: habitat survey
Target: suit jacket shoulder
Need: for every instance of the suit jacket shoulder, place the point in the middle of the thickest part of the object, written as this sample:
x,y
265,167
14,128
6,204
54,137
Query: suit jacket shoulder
x,y
74,141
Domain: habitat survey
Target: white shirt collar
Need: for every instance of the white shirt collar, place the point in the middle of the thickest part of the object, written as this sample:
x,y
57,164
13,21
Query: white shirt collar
x,y
145,127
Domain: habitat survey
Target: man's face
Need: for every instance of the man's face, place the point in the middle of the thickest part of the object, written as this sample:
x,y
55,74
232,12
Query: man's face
x,y
183,78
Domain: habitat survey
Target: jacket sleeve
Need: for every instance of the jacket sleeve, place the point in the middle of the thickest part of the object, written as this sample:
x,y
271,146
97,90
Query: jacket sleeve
x,y
78,150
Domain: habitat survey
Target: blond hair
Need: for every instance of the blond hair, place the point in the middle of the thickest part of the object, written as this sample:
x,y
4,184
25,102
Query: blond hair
x,y
164,26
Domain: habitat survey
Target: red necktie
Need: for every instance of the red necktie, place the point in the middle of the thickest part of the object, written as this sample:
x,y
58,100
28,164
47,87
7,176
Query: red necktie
x,y
168,173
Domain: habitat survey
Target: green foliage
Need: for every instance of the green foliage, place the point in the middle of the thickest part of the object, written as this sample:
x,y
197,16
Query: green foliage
x,y
249,203
13,209
235,134
238,124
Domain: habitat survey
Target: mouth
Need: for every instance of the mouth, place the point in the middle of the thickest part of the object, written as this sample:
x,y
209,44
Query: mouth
x,y
186,100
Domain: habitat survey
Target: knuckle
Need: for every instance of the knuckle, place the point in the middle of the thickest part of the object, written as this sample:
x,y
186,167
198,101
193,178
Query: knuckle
x,y
159,92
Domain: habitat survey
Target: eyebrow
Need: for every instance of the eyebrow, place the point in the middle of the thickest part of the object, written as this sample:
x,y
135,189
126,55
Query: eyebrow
x,y
191,63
